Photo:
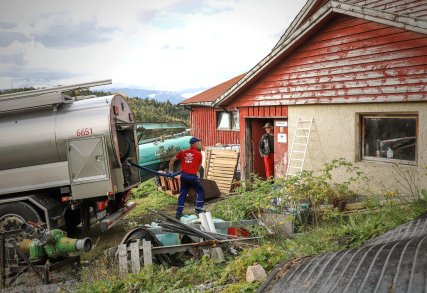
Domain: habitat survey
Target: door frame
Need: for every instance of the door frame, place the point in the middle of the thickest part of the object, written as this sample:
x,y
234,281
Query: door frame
x,y
248,143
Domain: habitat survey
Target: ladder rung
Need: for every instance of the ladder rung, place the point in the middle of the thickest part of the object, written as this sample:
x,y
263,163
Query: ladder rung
x,y
302,134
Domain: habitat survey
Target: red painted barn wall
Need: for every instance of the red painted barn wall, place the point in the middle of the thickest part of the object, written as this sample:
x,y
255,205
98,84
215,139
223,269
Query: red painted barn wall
x,y
348,60
203,125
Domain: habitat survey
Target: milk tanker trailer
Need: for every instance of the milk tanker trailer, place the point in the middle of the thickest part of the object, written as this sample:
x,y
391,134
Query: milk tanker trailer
x,y
63,159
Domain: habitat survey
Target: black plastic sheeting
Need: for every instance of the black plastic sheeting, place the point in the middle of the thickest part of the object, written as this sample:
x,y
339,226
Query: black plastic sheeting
x,y
393,262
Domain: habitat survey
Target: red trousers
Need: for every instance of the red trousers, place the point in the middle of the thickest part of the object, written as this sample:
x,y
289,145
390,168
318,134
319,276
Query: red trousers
x,y
269,165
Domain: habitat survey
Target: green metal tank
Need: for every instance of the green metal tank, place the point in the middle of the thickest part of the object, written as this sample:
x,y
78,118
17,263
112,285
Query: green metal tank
x,y
156,154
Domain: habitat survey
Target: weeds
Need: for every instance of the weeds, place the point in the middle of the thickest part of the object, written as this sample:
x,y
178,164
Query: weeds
x,y
287,194
332,232
147,196
342,232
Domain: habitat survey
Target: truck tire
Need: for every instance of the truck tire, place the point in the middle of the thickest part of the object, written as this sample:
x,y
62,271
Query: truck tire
x,y
13,215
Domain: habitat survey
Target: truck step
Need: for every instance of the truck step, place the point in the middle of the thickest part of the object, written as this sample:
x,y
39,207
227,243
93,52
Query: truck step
x,y
114,218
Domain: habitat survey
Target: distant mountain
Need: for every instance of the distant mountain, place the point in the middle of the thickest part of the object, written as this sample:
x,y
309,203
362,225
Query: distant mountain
x,y
160,96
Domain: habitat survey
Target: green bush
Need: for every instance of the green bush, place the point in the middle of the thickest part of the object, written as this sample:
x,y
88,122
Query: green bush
x,y
311,187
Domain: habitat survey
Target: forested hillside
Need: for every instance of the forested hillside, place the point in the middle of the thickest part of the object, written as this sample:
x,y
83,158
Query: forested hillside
x,y
152,110
145,110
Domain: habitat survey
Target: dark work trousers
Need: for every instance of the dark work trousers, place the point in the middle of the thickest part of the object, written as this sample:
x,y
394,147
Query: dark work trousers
x,y
190,181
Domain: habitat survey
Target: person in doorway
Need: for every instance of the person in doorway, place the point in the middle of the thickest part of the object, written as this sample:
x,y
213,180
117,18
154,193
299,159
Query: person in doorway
x,y
191,160
266,150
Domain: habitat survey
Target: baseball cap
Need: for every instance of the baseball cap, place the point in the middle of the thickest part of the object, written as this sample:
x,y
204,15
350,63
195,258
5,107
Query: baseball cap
x,y
194,140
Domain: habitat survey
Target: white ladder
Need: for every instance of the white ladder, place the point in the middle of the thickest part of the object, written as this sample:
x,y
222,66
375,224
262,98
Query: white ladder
x,y
299,146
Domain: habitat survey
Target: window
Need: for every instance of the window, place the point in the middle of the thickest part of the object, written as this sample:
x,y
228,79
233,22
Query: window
x,y
235,120
223,120
227,120
389,138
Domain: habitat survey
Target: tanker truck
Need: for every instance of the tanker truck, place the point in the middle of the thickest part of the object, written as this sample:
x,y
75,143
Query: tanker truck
x,y
62,158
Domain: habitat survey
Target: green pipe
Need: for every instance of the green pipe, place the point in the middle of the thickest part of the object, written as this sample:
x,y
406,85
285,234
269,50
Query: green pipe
x,y
54,244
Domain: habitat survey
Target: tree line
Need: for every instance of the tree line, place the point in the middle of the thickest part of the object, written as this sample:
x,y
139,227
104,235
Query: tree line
x,y
144,109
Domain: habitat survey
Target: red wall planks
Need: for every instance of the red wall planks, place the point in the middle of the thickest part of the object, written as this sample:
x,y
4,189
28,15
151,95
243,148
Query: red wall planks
x,y
203,125
348,60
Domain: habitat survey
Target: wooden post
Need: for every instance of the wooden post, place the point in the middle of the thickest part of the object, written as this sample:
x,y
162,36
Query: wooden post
x,y
148,256
123,260
134,257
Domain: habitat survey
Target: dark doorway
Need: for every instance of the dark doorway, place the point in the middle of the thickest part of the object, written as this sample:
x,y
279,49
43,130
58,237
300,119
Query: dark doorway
x,y
254,130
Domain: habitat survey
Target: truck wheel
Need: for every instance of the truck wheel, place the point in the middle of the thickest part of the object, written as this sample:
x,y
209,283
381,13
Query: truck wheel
x,y
72,219
13,215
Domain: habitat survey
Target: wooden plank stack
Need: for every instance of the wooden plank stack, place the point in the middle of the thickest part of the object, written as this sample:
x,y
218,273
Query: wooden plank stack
x,y
174,184
220,167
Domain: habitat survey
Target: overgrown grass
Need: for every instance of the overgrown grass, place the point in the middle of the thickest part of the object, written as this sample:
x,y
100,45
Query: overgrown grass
x,y
336,233
148,196
332,231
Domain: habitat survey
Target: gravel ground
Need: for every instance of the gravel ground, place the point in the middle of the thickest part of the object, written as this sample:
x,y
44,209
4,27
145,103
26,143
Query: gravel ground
x,y
61,281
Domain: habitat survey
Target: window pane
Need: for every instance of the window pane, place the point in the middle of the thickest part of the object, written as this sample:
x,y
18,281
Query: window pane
x,y
391,138
235,120
223,121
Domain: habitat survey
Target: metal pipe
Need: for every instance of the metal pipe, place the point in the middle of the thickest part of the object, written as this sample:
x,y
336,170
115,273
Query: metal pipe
x,y
83,244
170,219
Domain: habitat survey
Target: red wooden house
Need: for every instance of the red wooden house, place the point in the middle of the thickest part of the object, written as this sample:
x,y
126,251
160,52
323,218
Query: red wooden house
x,y
359,70
212,124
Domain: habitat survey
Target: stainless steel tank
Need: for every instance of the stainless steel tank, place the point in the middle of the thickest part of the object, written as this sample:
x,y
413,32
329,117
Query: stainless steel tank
x,y
39,136
36,146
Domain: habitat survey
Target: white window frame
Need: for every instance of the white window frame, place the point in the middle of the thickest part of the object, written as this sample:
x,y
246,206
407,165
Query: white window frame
x,y
230,121
238,120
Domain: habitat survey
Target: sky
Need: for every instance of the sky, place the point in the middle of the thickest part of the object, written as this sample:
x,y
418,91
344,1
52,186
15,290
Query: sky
x,y
183,46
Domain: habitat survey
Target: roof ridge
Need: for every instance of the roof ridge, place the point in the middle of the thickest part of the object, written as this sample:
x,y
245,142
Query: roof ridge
x,y
332,6
207,97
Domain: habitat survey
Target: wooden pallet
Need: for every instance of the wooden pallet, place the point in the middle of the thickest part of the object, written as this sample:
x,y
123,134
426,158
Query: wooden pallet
x,y
221,167
210,187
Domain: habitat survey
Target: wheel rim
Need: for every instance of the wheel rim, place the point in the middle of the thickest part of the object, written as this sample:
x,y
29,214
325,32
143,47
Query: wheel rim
x,y
11,222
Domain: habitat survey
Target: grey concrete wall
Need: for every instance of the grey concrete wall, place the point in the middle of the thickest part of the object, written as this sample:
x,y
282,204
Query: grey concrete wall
x,y
335,134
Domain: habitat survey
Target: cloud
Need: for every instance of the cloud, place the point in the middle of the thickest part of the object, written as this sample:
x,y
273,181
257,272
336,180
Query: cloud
x,y
71,35
13,59
7,25
7,38
35,75
176,45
